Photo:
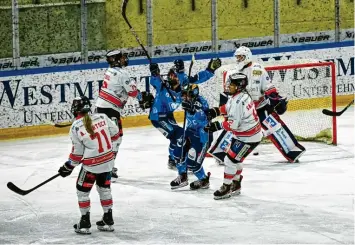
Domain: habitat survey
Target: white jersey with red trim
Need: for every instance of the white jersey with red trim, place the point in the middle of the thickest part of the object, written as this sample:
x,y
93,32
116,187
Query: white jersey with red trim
x,y
116,88
259,82
241,118
97,152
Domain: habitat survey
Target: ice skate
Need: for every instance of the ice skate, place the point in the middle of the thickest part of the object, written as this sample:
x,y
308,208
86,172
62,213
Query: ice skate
x,y
223,192
83,227
106,224
236,186
201,184
171,163
114,175
179,181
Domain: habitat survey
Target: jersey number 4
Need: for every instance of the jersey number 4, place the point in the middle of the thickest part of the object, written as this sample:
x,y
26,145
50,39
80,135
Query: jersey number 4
x,y
98,137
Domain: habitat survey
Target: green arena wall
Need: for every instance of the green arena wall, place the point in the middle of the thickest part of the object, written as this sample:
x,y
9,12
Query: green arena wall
x,y
48,30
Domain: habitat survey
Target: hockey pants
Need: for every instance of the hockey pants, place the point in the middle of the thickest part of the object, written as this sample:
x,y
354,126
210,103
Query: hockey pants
x,y
193,155
170,129
232,152
84,184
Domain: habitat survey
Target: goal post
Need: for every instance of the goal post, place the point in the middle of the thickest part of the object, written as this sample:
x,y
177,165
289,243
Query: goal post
x,y
321,86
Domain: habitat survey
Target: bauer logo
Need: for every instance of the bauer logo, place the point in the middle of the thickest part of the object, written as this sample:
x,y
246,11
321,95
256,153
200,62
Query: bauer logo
x,y
309,39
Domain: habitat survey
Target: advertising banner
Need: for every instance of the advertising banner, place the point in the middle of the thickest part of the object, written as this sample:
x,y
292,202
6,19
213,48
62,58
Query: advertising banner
x,y
179,49
31,99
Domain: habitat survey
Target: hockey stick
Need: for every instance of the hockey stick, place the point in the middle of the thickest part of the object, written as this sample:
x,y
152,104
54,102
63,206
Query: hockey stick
x,y
58,125
124,6
184,125
19,191
336,114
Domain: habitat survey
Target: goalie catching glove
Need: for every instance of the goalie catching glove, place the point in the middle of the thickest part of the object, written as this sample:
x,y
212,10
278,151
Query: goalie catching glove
x,y
146,101
66,169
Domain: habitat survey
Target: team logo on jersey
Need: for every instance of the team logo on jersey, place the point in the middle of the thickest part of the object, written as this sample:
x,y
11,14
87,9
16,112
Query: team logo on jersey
x,y
174,105
257,73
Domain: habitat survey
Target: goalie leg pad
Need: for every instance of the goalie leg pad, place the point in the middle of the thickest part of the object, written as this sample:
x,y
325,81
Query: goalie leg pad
x,y
281,136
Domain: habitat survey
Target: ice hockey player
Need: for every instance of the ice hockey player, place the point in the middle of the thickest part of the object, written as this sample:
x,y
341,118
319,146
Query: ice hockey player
x,y
269,104
240,134
195,139
94,144
161,114
117,87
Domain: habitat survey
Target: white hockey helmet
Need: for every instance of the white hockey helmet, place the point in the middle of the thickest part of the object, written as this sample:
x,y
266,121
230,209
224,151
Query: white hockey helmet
x,y
244,56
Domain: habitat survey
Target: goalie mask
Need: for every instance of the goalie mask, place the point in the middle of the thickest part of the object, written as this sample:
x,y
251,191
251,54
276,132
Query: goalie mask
x,y
243,57
237,82
116,58
190,92
80,104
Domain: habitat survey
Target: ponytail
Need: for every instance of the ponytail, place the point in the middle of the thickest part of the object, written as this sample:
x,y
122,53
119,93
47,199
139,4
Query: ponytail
x,y
88,124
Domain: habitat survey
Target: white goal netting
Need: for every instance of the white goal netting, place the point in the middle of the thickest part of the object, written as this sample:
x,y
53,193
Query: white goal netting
x,y
308,85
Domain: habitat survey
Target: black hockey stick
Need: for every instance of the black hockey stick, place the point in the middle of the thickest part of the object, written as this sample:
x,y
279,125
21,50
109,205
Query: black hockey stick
x,y
184,125
124,6
19,191
336,114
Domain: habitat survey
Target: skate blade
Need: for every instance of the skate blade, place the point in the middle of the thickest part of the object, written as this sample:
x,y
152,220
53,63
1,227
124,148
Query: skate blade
x,y
236,193
83,231
199,188
183,184
223,197
106,228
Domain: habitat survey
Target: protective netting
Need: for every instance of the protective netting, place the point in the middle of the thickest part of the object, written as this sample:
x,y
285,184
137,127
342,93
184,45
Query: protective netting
x,y
308,86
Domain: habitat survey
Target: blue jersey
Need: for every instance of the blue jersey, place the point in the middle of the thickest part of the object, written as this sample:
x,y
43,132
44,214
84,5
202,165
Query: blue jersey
x,y
200,77
197,121
163,103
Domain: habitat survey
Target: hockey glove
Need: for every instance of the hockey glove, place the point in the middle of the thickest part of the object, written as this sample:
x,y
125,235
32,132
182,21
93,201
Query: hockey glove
x,y
281,107
276,103
147,100
212,127
223,98
186,105
179,65
154,69
66,169
212,113
214,64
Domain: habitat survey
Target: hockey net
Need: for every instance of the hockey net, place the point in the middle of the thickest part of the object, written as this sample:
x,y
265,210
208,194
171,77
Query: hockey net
x,y
309,86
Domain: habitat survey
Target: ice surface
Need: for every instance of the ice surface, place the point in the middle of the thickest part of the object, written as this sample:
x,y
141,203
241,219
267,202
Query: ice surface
x,y
306,202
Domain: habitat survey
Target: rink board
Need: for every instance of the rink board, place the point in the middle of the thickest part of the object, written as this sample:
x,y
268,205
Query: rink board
x,y
30,97
142,120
